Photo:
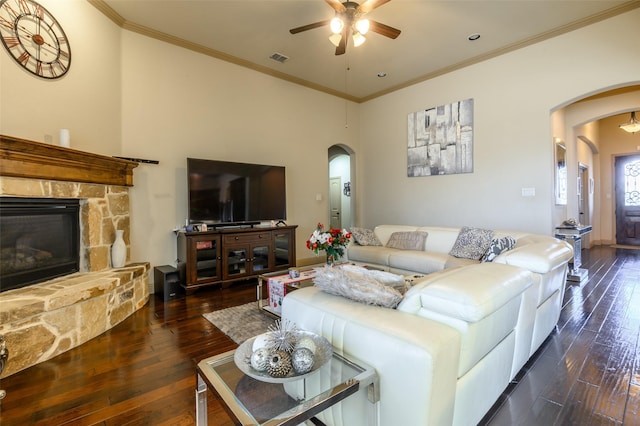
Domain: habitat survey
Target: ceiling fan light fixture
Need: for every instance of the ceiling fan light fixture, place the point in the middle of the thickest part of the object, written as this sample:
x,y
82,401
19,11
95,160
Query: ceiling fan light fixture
x,y
336,25
349,22
362,26
631,126
335,39
358,39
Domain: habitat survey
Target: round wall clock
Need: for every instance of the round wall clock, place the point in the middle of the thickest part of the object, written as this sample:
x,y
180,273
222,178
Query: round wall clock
x,y
34,38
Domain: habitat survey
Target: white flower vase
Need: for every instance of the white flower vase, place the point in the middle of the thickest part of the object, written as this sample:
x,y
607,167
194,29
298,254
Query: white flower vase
x,y
118,251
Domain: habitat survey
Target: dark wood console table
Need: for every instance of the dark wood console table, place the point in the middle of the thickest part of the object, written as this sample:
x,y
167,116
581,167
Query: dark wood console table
x,y
225,255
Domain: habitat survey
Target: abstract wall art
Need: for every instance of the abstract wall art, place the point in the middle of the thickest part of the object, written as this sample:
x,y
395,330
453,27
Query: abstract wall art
x,y
440,140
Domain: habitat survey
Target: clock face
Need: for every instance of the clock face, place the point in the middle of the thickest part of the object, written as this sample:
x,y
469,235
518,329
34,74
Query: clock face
x,y
34,38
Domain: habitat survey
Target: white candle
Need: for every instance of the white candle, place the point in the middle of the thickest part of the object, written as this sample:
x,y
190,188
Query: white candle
x,y
65,138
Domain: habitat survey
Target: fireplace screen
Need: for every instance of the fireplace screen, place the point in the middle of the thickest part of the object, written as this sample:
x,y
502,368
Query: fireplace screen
x,y
39,240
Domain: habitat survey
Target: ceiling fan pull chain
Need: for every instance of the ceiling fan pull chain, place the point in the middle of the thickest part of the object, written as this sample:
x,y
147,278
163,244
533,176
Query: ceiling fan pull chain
x,y
346,90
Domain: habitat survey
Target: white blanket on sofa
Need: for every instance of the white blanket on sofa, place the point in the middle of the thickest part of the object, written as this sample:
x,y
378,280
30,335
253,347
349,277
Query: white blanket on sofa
x,y
363,285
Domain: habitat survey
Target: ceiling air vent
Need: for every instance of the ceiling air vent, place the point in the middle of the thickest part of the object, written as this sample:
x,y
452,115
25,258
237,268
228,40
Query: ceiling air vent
x,y
278,57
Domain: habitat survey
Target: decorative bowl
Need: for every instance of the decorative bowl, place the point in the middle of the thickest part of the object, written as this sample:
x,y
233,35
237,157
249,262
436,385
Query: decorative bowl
x,y
242,358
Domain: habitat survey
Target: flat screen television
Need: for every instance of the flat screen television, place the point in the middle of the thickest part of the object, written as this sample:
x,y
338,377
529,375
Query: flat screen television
x,y
228,193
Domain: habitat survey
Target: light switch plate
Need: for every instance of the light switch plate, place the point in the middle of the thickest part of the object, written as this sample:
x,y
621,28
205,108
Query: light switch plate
x,y
528,192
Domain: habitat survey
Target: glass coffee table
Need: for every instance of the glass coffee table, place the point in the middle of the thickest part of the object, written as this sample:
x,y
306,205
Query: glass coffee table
x,y
254,402
271,305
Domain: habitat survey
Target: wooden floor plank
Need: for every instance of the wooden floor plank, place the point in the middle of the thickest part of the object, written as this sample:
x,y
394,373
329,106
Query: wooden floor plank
x,y
578,407
542,412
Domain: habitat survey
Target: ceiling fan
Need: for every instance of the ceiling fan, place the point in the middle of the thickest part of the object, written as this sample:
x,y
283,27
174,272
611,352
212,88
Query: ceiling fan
x,y
349,20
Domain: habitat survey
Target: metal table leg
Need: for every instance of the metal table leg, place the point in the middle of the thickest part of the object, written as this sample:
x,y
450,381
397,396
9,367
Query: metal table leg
x,y
201,402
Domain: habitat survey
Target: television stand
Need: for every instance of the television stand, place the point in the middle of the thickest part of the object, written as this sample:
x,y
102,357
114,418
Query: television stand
x,y
224,255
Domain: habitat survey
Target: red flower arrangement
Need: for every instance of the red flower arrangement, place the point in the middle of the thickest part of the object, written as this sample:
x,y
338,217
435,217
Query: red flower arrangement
x,y
333,242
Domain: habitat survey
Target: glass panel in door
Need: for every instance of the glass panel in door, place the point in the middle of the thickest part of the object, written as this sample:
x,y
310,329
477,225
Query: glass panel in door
x,y
236,261
260,258
282,245
207,259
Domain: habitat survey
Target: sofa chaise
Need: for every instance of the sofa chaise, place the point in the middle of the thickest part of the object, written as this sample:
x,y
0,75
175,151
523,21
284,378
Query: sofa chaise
x,y
458,337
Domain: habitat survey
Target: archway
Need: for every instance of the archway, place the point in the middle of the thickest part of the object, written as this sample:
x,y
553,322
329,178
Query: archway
x,y
589,125
341,186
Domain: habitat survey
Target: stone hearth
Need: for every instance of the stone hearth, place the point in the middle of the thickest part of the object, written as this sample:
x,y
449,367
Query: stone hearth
x,y
43,320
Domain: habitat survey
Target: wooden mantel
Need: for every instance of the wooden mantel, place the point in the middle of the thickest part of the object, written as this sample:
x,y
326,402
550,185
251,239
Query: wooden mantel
x,y
37,160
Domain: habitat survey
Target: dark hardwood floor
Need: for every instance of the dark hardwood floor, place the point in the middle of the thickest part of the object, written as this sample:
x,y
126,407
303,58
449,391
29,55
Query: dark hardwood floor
x,y
142,372
588,371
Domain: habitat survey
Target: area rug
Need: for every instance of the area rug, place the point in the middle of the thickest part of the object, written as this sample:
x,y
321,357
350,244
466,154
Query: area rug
x,y
240,322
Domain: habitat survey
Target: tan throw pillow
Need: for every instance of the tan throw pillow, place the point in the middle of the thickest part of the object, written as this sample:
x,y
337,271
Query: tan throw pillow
x,y
412,240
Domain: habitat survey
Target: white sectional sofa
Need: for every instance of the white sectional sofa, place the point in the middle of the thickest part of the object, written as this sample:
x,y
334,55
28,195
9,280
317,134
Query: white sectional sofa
x,y
458,336
434,256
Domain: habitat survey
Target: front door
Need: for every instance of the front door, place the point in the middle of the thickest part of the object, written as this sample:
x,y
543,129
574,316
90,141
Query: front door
x,y
627,170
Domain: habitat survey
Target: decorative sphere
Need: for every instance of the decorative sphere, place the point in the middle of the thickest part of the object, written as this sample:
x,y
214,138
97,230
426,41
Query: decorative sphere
x,y
260,358
279,364
307,342
302,360
260,341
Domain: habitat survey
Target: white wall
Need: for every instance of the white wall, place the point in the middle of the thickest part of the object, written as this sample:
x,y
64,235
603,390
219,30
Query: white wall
x,y
130,95
514,95
126,94
177,104
86,100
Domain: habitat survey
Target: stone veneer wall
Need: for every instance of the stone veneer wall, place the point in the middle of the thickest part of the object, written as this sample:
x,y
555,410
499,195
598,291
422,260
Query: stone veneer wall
x,y
43,320
103,209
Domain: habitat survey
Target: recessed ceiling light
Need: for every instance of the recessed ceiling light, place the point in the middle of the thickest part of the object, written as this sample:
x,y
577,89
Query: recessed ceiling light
x,y
382,74
474,37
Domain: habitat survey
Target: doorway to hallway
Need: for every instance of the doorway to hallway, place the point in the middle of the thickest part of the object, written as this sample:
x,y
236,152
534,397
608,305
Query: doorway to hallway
x,y
335,202
341,172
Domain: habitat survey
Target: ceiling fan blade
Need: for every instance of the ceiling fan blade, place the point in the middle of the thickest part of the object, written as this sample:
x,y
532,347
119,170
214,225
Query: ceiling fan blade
x,y
383,29
369,5
337,5
342,46
309,27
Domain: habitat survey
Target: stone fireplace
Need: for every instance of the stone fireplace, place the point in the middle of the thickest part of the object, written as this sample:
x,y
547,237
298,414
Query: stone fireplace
x,y
45,319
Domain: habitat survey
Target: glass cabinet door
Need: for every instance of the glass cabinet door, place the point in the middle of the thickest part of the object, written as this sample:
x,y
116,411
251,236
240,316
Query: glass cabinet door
x,y
207,265
260,257
236,261
282,247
